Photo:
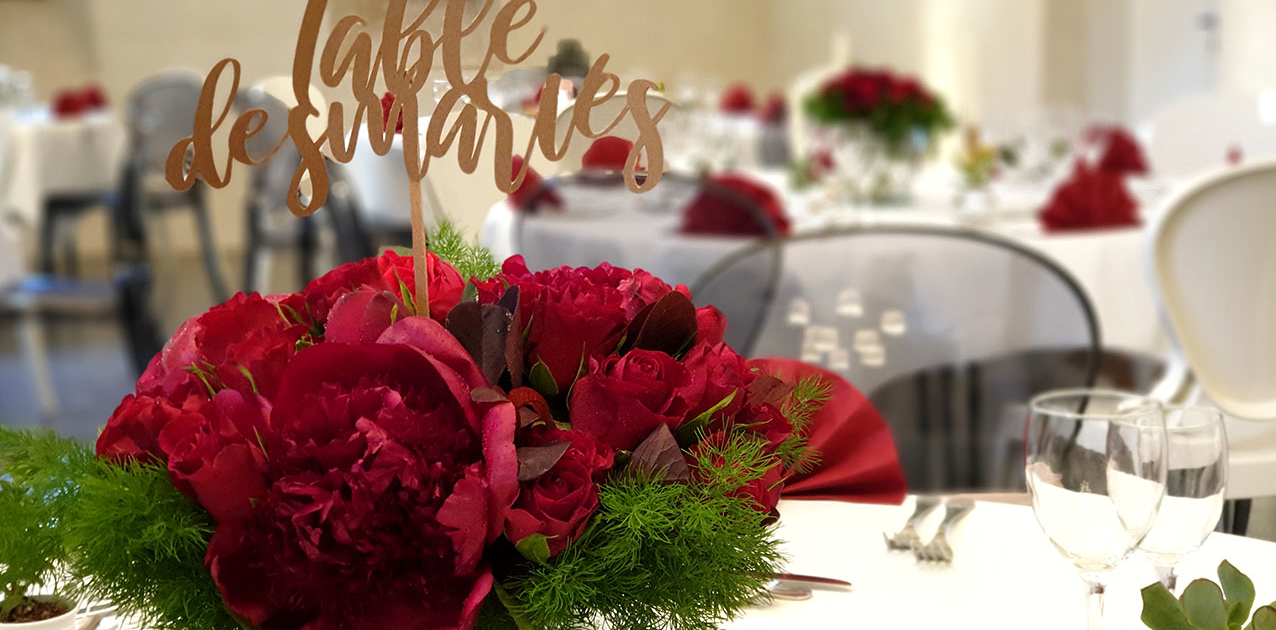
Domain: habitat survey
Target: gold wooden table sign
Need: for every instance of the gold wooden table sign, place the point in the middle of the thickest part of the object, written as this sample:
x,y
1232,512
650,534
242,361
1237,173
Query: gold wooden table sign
x,y
404,59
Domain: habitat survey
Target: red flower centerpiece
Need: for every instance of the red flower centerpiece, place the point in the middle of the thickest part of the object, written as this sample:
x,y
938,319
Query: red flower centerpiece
x,y
364,467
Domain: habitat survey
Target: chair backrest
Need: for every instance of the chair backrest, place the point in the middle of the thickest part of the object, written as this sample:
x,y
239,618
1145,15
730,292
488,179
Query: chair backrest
x,y
160,113
601,115
949,332
1196,134
1215,272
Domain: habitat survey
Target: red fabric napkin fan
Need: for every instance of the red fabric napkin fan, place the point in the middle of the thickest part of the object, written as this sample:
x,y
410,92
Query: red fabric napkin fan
x,y
719,209
1092,198
74,102
738,99
387,103
858,460
607,154
532,189
1123,155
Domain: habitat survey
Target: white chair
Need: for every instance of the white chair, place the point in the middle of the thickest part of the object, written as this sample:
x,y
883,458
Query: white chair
x,y
1196,134
1214,270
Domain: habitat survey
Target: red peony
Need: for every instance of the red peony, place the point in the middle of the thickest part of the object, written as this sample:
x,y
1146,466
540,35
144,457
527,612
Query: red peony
x,y
558,504
386,473
134,429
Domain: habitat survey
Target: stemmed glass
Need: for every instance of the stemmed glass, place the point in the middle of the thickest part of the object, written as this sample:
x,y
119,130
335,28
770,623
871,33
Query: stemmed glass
x,y
1195,483
1095,465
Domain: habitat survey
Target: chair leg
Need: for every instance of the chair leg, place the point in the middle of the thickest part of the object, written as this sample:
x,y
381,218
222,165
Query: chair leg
x,y
216,281
140,330
307,251
251,260
37,351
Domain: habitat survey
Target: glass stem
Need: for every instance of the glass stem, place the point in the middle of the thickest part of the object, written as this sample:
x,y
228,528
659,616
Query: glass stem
x,y
1169,579
1094,603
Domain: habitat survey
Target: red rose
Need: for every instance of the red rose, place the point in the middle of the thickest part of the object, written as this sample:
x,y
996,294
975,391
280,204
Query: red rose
x,y
714,372
217,456
387,474
623,399
767,421
133,431
559,503
569,315
388,272
763,492
711,324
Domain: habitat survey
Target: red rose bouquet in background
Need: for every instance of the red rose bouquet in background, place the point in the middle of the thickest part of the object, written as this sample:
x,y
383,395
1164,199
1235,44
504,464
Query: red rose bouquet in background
x,y
545,449
893,107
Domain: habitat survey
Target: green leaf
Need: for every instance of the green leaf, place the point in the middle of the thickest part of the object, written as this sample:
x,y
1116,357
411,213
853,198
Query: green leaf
x,y
689,433
534,547
248,375
470,294
1161,611
542,380
1239,590
1264,619
1203,603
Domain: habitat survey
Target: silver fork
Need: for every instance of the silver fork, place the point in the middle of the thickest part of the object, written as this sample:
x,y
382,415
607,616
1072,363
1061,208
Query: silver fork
x,y
907,538
938,550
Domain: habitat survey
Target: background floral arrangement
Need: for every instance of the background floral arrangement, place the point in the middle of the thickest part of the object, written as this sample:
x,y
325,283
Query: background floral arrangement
x,y
533,450
893,107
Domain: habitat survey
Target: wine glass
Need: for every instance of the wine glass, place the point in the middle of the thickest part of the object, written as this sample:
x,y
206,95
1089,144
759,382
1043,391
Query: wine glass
x,y
1195,482
1095,465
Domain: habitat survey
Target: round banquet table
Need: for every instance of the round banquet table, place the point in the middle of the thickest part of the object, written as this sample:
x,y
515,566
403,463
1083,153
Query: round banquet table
x,y
1108,264
47,156
1005,575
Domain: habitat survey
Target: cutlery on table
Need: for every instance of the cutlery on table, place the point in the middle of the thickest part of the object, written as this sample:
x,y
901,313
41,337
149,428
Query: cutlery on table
x,y
938,549
907,538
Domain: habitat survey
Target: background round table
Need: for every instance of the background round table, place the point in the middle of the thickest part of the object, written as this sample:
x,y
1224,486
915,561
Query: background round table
x,y
1005,575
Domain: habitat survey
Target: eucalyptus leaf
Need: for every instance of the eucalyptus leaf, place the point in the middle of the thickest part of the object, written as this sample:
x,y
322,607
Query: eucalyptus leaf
x,y
534,547
1161,611
1202,602
534,461
542,380
1238,589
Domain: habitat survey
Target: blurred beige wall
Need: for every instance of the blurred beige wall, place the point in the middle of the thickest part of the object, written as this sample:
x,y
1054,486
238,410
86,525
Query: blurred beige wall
x,y
50,39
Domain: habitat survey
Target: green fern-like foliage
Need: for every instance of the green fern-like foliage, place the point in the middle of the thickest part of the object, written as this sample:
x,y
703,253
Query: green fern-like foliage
x,y
472,261
36,493
119,533
661,556
810,394
140,543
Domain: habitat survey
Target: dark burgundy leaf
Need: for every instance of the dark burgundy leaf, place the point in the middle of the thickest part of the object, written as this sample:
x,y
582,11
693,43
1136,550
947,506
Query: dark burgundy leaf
x,y
514,340
660,456
527,417
488,395
534,461
768,389
482,330
669,326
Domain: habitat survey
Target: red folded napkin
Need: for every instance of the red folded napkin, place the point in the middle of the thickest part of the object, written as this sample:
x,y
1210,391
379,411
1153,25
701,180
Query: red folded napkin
x,y
1091,198
1122,153
719,209
73,102
522,197
607,154
387,102
776,109
858,460
738,99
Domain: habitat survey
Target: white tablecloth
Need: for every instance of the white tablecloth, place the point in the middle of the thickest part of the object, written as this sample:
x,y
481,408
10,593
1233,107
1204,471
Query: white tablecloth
x,y
46,156
1006,575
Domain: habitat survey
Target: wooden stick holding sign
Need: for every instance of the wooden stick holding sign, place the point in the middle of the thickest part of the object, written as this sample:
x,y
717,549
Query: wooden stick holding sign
x,y
404,59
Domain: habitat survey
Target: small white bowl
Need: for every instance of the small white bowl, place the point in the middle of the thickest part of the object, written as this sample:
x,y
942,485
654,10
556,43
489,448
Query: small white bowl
x,y
64,621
